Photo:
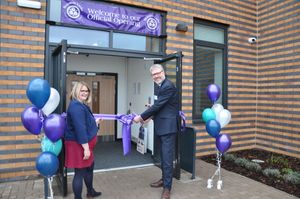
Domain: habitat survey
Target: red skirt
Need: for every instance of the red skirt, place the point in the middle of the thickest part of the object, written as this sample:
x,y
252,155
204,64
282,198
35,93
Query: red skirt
x,y
74,154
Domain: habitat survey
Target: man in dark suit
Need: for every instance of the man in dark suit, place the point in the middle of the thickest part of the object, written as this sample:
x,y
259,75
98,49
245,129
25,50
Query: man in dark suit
x,y
165,113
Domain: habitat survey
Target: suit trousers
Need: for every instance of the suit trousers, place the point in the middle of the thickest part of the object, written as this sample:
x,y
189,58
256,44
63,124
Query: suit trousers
x,y
167,148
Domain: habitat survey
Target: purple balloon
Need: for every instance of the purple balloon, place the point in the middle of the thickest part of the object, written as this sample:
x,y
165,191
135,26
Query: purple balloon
x,y
213,92
223,143
54,127
31,120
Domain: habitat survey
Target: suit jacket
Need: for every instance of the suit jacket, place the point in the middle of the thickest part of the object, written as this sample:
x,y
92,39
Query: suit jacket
x,y
165,110
81,125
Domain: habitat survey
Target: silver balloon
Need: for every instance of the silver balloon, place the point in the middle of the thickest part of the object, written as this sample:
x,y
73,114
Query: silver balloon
x,y
224,117
217,108
52,102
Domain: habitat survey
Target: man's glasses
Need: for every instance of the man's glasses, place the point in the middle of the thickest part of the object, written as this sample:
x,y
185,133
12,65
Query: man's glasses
x,y
154,74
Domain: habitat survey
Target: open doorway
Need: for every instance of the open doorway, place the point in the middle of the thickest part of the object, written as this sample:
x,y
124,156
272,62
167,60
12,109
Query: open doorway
x,y
56,73
119,85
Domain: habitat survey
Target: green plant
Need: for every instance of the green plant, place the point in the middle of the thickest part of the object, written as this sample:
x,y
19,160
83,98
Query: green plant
x,y
241,161
277,160
272,173
287,170
253,166
292,177
230,157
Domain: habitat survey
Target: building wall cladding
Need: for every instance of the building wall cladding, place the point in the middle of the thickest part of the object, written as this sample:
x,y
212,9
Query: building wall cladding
x,y
278,88
22,40
261,77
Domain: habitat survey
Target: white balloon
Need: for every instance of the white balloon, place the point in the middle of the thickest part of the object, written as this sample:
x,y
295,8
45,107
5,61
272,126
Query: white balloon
x,y
217,108
224,117
52,102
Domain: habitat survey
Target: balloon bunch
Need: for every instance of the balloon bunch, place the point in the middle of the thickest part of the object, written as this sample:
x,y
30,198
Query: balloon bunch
x,y
37,117
216,118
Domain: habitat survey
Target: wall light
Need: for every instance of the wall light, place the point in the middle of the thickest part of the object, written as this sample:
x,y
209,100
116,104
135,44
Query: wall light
x,y
29,4
181,27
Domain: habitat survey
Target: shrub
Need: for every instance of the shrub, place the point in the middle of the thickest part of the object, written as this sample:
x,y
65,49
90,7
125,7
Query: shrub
x,y
253,166
292,177
272,173
287,170
277,160
241,161
229,157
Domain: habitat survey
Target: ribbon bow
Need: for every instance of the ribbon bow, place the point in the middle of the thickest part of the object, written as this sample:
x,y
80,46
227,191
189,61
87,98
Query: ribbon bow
x,y
126,120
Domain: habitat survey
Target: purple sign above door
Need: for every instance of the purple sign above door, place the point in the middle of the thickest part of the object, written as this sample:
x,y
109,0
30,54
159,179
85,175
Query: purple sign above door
x,y
116,17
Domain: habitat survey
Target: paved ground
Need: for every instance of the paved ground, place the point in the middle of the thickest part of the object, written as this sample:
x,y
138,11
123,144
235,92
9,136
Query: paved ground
x,y
134,183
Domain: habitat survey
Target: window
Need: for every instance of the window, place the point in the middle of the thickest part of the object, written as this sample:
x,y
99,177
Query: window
x,y
79,36
209,65
135,42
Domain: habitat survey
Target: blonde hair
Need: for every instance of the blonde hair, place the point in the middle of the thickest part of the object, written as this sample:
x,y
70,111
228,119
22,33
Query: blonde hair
x,y
76,90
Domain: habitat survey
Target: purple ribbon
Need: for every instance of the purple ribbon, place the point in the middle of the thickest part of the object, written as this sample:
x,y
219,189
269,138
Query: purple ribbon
x,y
183,125
126,120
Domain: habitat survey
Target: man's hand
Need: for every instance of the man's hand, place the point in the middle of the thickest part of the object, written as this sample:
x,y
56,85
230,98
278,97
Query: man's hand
x,y
138,119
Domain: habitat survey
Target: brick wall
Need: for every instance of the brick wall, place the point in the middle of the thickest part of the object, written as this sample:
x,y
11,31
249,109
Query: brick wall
x,y
278,79
22,37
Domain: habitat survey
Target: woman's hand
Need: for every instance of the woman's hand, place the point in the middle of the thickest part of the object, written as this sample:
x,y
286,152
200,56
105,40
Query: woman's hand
x,y
98,120
86,151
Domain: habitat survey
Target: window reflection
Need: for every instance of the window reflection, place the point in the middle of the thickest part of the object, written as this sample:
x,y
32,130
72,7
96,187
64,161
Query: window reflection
x,y
132,42
207,70
79,36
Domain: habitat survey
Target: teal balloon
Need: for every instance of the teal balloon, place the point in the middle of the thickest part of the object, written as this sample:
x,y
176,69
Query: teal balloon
x,y
208,114
53,147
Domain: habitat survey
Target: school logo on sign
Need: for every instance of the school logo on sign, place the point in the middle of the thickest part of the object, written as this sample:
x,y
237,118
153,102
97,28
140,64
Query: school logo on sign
x,y
73,10
152,23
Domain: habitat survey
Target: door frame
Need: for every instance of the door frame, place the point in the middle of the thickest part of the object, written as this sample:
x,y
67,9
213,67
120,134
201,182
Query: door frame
x,y
55,74
178,57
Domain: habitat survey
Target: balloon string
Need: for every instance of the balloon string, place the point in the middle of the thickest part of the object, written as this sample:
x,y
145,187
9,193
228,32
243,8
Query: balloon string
x,y
50,187
219,160
218,170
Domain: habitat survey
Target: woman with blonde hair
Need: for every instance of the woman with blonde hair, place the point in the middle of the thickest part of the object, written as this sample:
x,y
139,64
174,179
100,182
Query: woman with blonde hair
x,y
80,140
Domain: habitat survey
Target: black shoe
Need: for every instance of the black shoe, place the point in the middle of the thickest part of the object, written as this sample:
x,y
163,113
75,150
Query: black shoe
x,y
93,194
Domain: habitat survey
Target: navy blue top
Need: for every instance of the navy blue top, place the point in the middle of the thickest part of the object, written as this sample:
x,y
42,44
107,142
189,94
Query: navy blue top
x,y
81,124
